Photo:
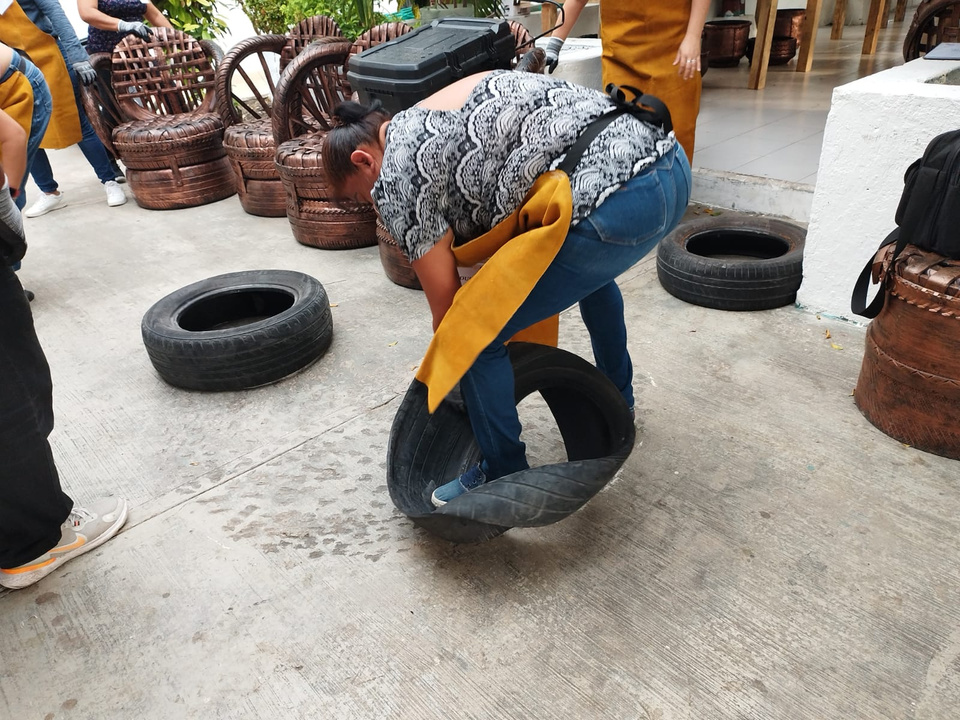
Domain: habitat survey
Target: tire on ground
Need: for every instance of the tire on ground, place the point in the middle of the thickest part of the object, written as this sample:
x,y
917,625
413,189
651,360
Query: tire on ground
x,y
428,450
239,330
733,262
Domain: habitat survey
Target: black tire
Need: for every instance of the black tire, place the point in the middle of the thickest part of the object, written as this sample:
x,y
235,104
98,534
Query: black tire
x,y
238,331
733,262
428,450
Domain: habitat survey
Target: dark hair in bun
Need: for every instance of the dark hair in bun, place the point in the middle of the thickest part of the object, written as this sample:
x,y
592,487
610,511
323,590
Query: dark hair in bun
x,y
355,124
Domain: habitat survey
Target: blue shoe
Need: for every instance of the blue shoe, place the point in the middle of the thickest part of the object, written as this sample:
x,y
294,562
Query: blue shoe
x,y
470,480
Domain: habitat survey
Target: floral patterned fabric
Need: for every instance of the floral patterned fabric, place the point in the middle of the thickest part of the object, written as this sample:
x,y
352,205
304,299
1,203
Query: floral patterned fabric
x,y
105,40
469,169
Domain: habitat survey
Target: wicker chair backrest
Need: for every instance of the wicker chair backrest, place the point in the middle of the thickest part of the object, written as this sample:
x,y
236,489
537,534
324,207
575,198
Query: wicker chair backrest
x,y
307,31
168,74
99,103
522,38
309,89
379,34
935,22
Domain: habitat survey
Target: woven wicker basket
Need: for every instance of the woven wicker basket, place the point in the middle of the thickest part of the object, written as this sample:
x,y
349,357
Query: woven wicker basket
x,y
909,385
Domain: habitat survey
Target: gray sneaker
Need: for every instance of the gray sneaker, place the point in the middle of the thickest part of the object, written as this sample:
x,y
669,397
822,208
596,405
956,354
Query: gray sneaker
x,y
83,530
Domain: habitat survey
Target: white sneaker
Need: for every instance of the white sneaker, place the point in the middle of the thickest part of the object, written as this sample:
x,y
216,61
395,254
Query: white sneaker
x,y
115,194
44,204
83,530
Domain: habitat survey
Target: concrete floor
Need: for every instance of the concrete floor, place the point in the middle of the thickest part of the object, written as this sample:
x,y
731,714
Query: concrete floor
x,y
766,553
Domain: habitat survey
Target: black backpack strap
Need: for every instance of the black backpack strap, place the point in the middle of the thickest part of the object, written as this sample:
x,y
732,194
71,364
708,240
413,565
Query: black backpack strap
x,y
658,114
858,302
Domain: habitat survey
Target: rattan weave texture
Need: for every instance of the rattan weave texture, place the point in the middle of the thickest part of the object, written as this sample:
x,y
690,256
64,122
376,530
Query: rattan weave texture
x,y
909,384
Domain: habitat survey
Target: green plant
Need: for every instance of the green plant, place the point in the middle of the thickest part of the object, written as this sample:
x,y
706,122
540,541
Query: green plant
x,y
198,18
267,16
353,16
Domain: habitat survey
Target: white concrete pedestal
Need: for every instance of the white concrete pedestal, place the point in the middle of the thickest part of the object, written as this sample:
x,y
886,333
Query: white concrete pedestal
x,y
877,126
579,62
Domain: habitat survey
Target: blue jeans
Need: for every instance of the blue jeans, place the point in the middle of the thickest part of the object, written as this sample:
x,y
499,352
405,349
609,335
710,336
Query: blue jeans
x,y
90,145
42,108
606,243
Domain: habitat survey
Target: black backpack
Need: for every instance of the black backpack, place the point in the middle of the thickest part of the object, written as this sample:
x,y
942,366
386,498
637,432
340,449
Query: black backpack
x,y
928,216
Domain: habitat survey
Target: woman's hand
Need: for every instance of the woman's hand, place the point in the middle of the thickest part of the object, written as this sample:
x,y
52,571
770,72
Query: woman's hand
x,y
688,57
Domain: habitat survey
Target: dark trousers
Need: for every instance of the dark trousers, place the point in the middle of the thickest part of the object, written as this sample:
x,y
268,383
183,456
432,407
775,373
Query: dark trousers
x,y
32,505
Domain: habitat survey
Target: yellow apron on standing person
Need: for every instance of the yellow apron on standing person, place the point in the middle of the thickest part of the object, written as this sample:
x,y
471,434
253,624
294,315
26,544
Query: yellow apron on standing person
x,y
640,42
18,32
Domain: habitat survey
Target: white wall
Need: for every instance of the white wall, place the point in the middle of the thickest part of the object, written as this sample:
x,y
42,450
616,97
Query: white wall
x,y
876,127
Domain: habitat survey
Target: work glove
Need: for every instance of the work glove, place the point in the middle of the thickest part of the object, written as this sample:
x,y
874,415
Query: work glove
x,y
553,53
85,71
13,245
136,28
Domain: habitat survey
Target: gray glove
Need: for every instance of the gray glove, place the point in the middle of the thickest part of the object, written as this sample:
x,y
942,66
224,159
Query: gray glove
x,y
85,71
137,28
553,53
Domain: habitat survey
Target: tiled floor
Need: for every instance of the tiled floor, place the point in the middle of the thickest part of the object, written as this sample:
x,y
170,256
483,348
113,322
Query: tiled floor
x,y
777,132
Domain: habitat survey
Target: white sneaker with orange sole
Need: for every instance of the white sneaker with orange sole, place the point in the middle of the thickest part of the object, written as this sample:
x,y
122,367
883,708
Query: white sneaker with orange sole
x,y
83,530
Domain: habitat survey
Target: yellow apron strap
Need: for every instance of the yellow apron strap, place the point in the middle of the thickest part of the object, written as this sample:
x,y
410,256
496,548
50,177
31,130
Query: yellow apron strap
x,y
520,249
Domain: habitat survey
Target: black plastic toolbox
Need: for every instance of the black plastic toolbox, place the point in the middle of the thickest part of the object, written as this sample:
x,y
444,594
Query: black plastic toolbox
x,y
402,72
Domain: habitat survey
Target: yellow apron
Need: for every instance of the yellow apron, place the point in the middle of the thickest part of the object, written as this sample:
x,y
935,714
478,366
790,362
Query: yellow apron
x,y
18,32
16,99
640,42
520,249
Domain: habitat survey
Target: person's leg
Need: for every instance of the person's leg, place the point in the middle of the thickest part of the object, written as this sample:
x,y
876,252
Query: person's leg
x,y
42,108
608,242
42,173
32,504
602,313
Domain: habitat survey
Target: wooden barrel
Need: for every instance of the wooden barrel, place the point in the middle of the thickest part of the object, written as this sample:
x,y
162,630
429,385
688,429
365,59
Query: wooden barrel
x,y
909,385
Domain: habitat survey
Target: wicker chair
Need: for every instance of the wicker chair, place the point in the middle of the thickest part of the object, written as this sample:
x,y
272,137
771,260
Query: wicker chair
x,y
171,141
935,22
246,85
100,104
311,86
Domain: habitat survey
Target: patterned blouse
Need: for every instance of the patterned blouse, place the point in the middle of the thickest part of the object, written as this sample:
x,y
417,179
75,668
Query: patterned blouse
x,y
105,40
468,169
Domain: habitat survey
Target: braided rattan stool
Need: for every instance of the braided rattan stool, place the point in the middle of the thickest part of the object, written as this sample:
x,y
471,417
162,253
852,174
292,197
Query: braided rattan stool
x,y
909,385
310,88
316,220
395,264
